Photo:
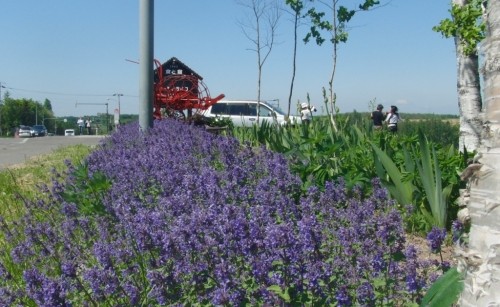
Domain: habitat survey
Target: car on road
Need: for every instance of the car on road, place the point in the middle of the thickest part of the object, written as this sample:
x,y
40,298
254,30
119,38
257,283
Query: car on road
x,y
24,131
39,130
69,132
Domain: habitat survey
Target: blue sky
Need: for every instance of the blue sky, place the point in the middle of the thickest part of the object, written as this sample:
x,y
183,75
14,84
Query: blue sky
x,y
75,52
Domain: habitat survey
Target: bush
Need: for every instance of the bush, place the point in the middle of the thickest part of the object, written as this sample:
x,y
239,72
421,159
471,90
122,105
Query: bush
x,y
181,216
436,130
318,154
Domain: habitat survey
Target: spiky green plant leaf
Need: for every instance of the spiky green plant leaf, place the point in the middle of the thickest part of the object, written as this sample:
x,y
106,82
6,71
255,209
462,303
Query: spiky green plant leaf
x,y
400,189
445,290
430,175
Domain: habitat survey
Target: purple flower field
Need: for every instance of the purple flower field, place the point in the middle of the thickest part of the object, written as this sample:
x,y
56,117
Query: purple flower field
x,y
179,216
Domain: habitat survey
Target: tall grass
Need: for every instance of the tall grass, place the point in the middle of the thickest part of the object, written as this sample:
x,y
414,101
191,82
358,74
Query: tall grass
x,y
24,180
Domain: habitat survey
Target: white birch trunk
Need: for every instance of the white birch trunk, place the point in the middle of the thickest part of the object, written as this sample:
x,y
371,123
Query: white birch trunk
x,y
469,102
469,96
482,260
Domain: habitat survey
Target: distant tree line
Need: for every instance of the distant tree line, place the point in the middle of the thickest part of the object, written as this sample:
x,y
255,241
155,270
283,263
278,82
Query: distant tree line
x,y
16,112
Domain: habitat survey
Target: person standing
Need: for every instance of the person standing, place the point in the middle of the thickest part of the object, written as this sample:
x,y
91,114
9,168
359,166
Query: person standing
x,y
378,117
80,124
87,125
306,113
393,119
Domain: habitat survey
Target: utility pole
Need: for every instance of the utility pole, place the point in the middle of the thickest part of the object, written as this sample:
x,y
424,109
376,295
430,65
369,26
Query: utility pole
x,y
146,42
119,109
1,105
1,87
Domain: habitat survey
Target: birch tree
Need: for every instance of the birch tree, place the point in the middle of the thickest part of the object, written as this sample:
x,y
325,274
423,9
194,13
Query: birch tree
x,y
467,28
333,18
261,29
481,261
297,7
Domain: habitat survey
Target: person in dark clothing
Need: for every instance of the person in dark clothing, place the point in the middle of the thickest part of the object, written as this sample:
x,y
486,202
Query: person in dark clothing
x,y
87,125
378,117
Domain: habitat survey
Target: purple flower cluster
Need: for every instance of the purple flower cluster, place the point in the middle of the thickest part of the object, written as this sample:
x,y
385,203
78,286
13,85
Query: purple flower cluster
x,y
457,230
190,217
435,239
43,290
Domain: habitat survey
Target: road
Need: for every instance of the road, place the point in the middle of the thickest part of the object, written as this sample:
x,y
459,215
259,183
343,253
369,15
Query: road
x,y
19,150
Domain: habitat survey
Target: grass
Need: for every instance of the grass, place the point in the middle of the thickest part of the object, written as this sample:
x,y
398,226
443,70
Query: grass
x,y
22,180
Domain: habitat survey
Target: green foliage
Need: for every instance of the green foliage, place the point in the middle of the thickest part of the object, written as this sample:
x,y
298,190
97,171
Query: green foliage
x,y
429,116
15,112
414,169
417,177
47,104
430,174
445,290
438,130
395,180
368,4
87,191
345,15
317,25
218,122
466,25
338,26
23,182
25,179
295,5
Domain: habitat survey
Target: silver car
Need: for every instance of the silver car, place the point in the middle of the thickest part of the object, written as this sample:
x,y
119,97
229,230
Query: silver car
x,y
24,131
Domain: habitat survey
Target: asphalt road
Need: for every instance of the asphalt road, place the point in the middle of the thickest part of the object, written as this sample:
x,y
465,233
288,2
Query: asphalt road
x,y
19,150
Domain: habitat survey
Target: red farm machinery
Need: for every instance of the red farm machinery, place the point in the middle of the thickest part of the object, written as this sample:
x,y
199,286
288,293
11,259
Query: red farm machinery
x,y
179,91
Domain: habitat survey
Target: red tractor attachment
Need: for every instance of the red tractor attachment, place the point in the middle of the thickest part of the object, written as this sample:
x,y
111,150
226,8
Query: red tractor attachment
x,y
175,93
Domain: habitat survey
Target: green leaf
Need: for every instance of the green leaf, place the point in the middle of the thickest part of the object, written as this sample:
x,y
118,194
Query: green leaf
x,y
427,215
401,190
277,290
379,282
88,191
430,174
445,290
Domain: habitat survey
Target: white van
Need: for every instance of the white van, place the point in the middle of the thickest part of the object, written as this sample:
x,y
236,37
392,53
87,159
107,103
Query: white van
x,y
244,112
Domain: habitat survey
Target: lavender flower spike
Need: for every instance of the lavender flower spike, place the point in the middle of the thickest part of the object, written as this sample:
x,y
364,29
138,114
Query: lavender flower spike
x,y
435,239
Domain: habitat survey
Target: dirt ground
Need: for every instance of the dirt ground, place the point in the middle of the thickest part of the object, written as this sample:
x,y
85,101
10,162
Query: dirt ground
x,y
425,253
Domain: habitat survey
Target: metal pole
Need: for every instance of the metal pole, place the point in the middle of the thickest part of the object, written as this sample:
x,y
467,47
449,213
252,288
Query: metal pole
x,y
1,105
119,108
107,119
146,43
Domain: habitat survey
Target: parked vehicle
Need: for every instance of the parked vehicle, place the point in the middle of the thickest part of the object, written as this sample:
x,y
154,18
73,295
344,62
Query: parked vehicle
x,y
24,131
244,112
39,130
69,132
